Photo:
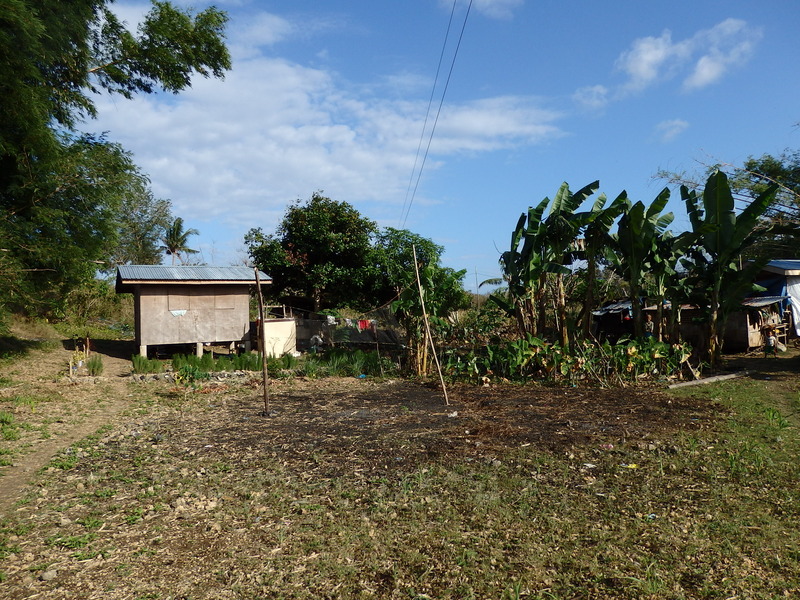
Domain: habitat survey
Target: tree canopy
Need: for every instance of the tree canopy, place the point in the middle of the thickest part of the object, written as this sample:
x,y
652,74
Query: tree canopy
x,y
325,254
64,195
321,252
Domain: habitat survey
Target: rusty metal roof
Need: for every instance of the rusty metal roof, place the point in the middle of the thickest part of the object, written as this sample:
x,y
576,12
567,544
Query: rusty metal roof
x,y
145,274
761,301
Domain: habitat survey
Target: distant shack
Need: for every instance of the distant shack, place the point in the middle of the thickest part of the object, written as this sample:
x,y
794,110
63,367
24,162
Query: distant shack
x,y
189,305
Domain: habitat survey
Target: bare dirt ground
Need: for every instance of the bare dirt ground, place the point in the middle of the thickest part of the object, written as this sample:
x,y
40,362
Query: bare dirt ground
x,y
379,425
114,510
383,424
53,410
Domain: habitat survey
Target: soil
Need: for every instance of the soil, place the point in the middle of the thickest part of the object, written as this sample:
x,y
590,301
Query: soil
x,y
160,462
381,425
59,409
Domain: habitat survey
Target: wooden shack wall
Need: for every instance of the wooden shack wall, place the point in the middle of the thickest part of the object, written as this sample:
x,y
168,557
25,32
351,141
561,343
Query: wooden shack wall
x,y
185,314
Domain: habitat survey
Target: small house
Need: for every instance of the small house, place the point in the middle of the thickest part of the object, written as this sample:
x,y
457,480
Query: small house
x,y
782,278
189,304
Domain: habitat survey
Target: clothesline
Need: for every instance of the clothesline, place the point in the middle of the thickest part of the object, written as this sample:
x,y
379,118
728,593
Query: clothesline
x,y
361,324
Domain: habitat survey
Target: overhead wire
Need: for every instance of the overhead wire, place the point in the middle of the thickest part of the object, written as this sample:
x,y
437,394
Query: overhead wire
x,y
410,201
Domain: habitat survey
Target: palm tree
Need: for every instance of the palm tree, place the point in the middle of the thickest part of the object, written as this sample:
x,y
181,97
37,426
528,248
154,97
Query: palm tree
x,y
176,240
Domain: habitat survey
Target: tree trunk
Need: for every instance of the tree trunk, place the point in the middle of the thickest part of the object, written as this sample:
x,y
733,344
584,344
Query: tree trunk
x,y
714,345
636,309
588,302
540,299
561,305
659,319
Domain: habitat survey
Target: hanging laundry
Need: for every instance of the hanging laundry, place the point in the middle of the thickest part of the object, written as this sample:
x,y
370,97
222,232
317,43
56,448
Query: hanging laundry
x,y
363,324
331,320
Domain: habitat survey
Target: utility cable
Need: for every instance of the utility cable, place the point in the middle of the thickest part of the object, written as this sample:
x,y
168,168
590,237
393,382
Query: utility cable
x,y
407,209
427,114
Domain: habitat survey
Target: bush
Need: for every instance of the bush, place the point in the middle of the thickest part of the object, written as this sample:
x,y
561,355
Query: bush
x,y
533,358
94,365
142,365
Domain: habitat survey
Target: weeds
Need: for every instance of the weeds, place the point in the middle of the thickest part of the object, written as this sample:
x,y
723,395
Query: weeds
x,y
143,365
334,362
9,428
94,365
533,358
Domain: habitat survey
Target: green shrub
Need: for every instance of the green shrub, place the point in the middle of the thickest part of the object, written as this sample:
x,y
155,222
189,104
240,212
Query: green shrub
x,y
94,365
249,361
142,365
533,358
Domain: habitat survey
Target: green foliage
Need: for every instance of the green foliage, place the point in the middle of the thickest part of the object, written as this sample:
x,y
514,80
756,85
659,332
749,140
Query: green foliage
x,y
143,365
541,248
442,294
190,377
723,237
94,365
639,230
533,358
62,194
9,428
751,180
176,240
143,222
321,252
393,255
247,361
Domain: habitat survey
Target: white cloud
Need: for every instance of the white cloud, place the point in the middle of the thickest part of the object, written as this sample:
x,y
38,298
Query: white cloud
x,y
666,131
235,152
496,9
651,59
709,54
263,29
725,46
593,97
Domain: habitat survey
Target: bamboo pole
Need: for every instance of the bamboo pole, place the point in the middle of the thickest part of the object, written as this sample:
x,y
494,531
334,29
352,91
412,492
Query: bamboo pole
x,y
262,344
708,380
428,327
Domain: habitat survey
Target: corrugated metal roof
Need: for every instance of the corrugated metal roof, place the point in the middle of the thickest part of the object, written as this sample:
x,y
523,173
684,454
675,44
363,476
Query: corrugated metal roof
x,y
761,301
784,267
158,273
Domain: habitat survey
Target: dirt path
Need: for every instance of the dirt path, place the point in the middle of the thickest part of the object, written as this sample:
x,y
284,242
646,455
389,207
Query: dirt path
x,y
50,411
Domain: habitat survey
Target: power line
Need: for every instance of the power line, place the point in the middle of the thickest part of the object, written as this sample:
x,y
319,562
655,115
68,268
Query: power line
x,y
409,201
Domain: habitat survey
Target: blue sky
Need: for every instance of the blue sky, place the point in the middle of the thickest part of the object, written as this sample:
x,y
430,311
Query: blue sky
x,y
332,96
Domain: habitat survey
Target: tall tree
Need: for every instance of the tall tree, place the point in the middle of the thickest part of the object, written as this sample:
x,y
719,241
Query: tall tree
x,y
322,251
393,256
55,56
61,227
143,221
176,240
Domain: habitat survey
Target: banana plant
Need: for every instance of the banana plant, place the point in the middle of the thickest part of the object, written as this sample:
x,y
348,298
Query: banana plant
x,y
637,232
559,233
522,266
667,252
723,236
596,238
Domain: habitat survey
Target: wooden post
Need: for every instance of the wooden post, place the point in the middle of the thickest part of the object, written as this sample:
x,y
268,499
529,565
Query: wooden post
x,y
428,327
262,344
